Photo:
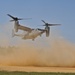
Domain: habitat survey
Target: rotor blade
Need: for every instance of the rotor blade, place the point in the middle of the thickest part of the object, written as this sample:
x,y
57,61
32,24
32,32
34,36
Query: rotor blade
x,y
43,21
24,18
53,24
11,16
41,29
11,20
15,18
20,19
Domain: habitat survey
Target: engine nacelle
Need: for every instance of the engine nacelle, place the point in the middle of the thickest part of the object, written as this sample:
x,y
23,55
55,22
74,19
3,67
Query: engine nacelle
x,y
16,26
47,31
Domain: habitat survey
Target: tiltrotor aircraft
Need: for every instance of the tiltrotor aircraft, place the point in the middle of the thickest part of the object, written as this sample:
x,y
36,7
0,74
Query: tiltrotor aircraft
x,y
30,33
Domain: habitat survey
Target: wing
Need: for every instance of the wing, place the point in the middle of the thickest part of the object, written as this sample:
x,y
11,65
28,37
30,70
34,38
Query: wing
x,y
24,28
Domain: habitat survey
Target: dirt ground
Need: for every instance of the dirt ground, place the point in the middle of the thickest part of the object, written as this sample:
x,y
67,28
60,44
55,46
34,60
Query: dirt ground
x,y
37,69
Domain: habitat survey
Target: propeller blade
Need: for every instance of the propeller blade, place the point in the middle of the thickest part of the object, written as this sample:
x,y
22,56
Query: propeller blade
x,y
53,24
11,20
24,18
20,19
47,24
15,18
11,16
43,21
41,29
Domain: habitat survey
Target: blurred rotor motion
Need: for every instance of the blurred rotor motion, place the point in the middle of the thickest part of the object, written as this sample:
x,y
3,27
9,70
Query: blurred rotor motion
x,y
47,28
47,24
16,18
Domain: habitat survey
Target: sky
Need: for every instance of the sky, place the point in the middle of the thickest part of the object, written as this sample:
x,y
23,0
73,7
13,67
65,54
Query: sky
x,y
52,11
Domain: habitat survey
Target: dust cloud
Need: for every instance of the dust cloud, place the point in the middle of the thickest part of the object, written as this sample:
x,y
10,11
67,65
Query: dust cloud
x,y
58,52
43,52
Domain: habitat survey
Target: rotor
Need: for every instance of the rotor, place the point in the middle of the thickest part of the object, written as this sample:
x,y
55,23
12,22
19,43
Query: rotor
x,y
16,18
47,24
47,27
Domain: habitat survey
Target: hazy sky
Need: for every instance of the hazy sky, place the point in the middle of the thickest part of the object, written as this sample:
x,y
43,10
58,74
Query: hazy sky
x,y
52,11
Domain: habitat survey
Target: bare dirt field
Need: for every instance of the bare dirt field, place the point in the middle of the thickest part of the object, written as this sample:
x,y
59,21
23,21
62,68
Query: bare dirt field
x,y
37,69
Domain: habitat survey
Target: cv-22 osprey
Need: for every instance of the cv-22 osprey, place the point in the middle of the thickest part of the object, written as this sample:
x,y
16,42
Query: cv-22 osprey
x,y
30,33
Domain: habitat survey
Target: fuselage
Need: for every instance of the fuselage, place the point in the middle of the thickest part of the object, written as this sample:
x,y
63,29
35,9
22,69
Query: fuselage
x,y
33,34
28,35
